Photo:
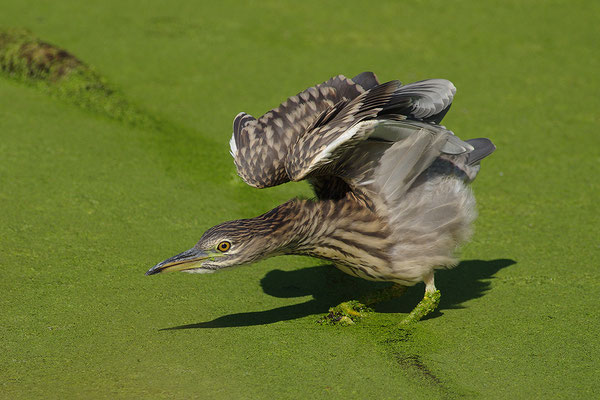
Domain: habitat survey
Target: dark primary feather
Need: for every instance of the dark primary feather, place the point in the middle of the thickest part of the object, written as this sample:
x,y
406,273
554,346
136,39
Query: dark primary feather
x,y
367,80
429,99
241,120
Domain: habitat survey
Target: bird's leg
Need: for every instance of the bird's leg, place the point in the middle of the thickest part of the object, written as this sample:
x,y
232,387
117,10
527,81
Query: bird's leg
x,y
427,305
348,312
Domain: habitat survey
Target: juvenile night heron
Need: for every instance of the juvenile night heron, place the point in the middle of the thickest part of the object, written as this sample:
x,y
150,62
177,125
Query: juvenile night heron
x,y
392,201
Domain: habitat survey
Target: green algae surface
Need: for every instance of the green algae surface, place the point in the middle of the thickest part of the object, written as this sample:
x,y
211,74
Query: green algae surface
x,y
118,159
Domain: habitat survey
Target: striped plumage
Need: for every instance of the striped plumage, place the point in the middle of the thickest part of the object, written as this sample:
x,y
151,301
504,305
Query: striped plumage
x,y
391,183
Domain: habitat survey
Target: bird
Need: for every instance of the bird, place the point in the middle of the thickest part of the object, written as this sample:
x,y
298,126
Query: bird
x,y
392,196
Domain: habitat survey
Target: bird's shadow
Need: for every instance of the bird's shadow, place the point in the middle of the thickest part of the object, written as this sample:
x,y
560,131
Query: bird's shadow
x,y
328,286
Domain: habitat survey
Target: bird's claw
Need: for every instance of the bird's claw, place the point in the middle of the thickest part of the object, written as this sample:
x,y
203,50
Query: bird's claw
x,y
346,313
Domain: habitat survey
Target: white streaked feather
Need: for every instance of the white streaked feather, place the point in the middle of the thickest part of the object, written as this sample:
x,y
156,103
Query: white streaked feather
x,y
328,153
233,146
344,137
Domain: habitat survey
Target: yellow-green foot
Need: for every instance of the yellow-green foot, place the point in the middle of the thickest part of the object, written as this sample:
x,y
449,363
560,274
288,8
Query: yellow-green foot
x,y
346,313
425,306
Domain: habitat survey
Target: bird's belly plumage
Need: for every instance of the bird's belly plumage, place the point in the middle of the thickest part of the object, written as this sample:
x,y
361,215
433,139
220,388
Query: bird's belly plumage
x,y
434,218
422,232
356,265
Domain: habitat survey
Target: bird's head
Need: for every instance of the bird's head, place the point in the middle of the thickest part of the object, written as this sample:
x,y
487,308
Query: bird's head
x,y
225,245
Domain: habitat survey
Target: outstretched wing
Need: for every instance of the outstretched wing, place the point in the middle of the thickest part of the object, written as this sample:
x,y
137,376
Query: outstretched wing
x,y
260,147
375,141
346,124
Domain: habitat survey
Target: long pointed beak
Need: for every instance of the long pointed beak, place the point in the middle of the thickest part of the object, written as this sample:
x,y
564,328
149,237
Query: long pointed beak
x,y
189,259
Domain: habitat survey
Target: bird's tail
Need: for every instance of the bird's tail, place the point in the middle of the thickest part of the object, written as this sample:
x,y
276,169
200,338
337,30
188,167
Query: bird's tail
x,y
483,147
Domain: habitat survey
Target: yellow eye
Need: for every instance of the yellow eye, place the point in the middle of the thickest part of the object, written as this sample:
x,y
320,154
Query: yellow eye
x,y
224,246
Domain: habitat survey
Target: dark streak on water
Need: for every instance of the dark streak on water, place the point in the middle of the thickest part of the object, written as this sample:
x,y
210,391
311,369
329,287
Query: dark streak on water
x,y
412,363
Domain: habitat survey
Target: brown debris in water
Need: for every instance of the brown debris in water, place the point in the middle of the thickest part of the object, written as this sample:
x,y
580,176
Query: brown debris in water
x,y
57,72
23,54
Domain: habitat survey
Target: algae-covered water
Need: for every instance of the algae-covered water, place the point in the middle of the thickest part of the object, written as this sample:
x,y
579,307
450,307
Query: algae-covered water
x,y
120,159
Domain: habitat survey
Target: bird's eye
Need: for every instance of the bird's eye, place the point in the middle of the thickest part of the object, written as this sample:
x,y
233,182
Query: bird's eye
x,y
224,246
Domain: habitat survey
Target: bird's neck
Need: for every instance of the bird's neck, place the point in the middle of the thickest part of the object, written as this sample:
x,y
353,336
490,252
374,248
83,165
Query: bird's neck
x,y
320,228
290,227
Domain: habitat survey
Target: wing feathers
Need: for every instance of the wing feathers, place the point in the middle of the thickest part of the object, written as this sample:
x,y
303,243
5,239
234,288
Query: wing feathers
x,y
314,129
456,146
241,120
367,80
427,100
260,147
342,130
405,160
